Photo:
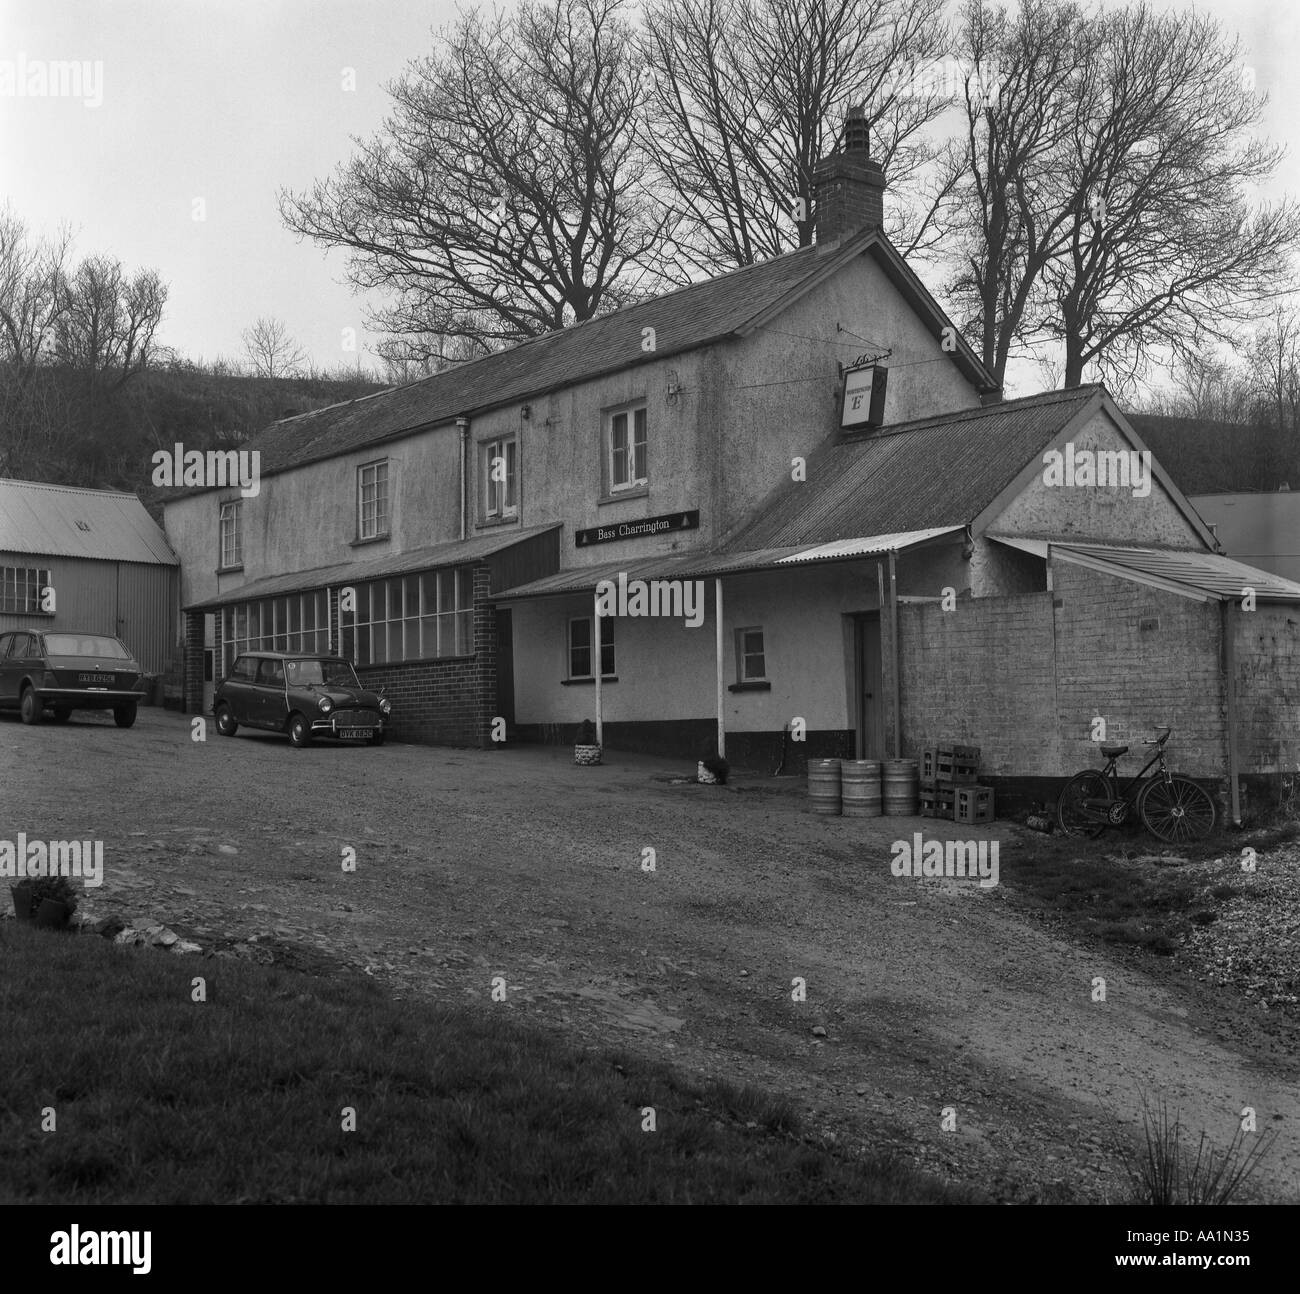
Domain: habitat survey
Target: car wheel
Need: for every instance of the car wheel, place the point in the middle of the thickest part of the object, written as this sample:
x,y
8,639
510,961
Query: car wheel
x,y
299,731
124,715
31,708
377,739
62,714
226,724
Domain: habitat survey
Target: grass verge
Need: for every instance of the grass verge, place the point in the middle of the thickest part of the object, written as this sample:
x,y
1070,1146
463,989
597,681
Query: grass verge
x,y
241,1098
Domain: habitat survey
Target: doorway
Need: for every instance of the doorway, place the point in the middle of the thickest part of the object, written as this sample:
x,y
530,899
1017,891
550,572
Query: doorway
x,y
866,687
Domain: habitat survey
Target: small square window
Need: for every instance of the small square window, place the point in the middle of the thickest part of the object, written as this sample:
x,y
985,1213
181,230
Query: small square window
x,y
751,660
580,645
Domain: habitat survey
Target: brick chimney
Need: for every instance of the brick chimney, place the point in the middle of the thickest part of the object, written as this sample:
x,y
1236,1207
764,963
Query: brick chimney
x,y
848,187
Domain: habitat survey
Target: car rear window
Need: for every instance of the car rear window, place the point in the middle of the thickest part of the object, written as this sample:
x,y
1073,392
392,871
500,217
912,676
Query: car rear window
x,y
85,645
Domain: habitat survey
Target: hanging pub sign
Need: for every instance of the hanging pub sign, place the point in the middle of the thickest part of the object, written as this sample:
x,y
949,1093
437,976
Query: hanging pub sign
x,y
637,529
864,396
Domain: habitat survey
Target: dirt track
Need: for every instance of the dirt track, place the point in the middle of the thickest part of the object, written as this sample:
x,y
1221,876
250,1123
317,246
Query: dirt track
x,y
472,864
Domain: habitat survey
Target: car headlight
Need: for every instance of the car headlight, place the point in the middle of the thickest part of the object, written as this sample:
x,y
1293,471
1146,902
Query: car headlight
x,y
326,705
385,706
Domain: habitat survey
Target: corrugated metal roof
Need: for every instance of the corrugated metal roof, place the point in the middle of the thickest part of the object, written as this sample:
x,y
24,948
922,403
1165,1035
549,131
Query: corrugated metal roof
x,y
935,472
583,579
682,320
66,521
1208,576
456,553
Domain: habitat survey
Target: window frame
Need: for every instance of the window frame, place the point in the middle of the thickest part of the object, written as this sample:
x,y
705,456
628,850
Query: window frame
x,y
500,509
445,617
742,655
606,644
236,528
31,580
374,466
634,484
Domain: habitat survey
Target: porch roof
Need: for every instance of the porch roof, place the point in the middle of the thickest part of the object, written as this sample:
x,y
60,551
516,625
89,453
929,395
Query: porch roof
x,y
456,553
584,579
1208,577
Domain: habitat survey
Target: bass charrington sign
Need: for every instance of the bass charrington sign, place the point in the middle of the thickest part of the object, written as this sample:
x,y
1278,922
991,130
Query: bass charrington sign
x,y
637,529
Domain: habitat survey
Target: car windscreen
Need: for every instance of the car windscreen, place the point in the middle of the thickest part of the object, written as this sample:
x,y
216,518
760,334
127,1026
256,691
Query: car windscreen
x,y
329,673
85,645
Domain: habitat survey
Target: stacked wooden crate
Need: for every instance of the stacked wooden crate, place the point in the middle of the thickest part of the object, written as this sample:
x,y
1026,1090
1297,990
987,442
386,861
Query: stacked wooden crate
x,y
944,770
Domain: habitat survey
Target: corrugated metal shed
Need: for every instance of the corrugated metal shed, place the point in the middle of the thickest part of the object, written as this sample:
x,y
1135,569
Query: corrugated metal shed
x,y
457,553
934,472
65,521
1260,529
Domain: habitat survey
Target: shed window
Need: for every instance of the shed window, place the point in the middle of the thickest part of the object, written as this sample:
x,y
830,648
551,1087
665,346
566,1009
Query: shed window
x,y
21,588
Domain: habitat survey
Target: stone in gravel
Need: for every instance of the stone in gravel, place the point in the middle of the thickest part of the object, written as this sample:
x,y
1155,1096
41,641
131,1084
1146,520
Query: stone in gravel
x,y
164,938
744,974
186,946
861,1089
819,1031
108,927
227,849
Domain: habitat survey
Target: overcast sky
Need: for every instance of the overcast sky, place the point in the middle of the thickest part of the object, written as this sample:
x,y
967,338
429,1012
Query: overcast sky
x,y
222,102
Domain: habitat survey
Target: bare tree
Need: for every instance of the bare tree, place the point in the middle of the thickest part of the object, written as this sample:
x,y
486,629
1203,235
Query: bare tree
x,y
107,329
1111,217
271,350
747,95
1275,368
505,195
33,293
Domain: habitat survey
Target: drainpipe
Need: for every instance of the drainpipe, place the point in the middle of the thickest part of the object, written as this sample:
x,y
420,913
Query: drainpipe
x,y
1230,694
463,425
722,722
597,667
896,687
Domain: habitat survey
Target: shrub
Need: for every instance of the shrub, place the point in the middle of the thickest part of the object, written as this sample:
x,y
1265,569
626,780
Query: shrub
x,y
586,733
53,887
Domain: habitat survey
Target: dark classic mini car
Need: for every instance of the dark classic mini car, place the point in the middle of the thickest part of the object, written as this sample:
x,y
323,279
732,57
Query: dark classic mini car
x,y
305,695
63,672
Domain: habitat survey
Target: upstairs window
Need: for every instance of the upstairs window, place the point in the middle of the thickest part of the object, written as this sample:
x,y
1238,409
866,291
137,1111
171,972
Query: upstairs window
x,y
372,500
625,450
232,539
500,479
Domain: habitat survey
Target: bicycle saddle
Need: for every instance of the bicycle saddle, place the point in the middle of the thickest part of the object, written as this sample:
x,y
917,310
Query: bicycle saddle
x,y
1114,752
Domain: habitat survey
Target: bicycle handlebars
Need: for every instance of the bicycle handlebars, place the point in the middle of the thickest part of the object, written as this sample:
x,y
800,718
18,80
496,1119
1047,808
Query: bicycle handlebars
x,y
1159,741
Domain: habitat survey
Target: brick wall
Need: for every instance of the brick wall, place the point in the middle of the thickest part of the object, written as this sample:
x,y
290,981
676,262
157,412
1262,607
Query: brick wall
x,y
981,675
1267,642
447,702
1138,657
193,663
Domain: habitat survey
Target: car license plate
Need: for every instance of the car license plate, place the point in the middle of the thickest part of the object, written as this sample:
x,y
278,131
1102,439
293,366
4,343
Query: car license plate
x,y
102,679
354,734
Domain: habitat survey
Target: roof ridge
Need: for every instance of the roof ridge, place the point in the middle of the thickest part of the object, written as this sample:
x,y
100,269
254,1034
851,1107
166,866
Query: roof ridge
x,y
70,489
979,411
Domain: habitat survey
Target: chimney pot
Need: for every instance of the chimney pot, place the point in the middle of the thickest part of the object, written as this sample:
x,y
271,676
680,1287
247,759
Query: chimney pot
x,y
848,187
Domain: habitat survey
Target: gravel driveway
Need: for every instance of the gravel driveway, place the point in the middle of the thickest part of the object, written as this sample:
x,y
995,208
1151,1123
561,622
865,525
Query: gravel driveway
x,y
926,994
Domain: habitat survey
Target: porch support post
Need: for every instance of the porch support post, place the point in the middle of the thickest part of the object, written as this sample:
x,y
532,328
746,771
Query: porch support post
x,y
597,668
896,689
722,722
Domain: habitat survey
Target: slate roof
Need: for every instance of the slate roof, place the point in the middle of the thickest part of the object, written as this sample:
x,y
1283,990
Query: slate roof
x,y
66,521
683,320
941,471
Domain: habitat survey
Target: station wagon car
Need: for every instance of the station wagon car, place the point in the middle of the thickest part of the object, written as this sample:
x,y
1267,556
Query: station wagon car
x,y
305,695
62,671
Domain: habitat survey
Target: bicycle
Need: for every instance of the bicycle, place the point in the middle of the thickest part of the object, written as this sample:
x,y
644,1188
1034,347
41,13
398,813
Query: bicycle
x,y
1175,809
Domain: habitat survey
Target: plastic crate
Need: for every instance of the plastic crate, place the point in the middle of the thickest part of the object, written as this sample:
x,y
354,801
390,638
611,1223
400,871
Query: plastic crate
x,y
937,802
974,804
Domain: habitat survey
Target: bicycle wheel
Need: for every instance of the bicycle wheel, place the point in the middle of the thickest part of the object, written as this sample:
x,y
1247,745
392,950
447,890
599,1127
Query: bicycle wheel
x,y
1176,810
1073,815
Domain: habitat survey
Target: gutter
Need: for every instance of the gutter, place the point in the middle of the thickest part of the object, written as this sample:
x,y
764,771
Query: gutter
x,y
462,425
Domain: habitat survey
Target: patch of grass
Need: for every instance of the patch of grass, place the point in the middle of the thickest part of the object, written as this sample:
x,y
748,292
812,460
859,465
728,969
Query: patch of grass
x,y
1165,1171
240,1099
